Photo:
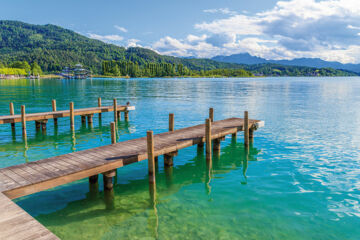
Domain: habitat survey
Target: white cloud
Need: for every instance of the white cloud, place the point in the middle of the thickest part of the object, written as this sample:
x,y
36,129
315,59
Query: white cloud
x,y
133,43
225,11
297,28
122,29
106,38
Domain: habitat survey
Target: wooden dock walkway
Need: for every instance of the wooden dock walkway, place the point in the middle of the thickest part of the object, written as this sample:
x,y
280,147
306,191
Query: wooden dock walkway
x,y
16,224
24,179
60,114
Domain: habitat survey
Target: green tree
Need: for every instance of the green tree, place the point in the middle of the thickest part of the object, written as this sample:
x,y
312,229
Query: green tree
x,y
36,69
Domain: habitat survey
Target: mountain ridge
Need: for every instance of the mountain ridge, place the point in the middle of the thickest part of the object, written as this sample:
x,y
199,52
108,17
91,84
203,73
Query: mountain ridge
x,y
244,58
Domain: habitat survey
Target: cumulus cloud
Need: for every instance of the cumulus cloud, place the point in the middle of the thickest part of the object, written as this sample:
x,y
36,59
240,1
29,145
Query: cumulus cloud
x,y
328,29
106,38
122,29
133,43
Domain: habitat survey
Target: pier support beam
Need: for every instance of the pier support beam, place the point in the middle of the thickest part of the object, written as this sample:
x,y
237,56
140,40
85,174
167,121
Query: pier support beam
x,y
217,146
23,122
115,110
11,105
53,103
211,114
113,132
246,128
171,122
126,116
99,105
43,126
83,120
72,115
251,135
119,115
93,186
169,159
90,120
108,180
37,125
208,139
151,156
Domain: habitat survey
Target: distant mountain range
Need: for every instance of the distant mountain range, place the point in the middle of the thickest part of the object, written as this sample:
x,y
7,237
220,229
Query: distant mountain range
x,y
245,58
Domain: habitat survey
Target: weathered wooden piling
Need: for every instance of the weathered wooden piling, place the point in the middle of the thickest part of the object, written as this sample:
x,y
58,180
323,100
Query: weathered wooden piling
x,y
37,125
72,119
169,157
151,156
246,128
217,146
113,132
171,122
53,103
93,186
99,105
208,139
211,114
11,105
43,126
90,120
83,120
108,179
115,111
126,115
23,121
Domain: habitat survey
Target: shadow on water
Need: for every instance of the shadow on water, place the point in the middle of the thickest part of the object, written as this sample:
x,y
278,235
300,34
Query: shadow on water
x,y
100,213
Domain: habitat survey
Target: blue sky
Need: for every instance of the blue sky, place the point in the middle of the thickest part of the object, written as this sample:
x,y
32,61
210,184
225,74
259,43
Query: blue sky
x,y
328,29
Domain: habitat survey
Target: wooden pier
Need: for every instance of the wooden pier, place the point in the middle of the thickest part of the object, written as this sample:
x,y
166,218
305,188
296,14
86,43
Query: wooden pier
x,y
32,177
42,118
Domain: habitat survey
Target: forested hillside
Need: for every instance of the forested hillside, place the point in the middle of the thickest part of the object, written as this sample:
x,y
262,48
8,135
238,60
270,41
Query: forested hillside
x,y
53,48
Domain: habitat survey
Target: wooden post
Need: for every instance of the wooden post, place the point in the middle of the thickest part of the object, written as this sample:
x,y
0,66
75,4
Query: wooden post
x,y
211,114
208,138
43,126
93,186
12,113
37,125
99,105
151,157
171,122
72,120
246,128
83,120
108,180
23,121
113,132
115,110
118,115
126,115
53,103
217,146
251,135
90,120
168,160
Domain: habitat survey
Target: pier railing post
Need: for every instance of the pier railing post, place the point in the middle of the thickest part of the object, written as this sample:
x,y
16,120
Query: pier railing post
x,y
113,132
151,157
208,139
246,128
72,120
115,110
23,122
211,114
11,105
99,105
171,122
53,103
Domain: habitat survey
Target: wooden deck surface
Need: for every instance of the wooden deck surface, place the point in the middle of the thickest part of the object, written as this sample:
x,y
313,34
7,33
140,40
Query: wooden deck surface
x,y
28,178
64,113
16,224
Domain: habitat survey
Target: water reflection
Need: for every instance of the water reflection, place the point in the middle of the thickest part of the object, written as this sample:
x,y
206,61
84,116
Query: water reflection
x,y
139,198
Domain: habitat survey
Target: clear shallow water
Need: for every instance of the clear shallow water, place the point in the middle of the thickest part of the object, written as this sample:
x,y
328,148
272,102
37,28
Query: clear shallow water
x,y
302,180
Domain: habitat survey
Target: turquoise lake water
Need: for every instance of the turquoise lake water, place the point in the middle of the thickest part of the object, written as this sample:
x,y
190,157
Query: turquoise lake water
x,y
301,180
